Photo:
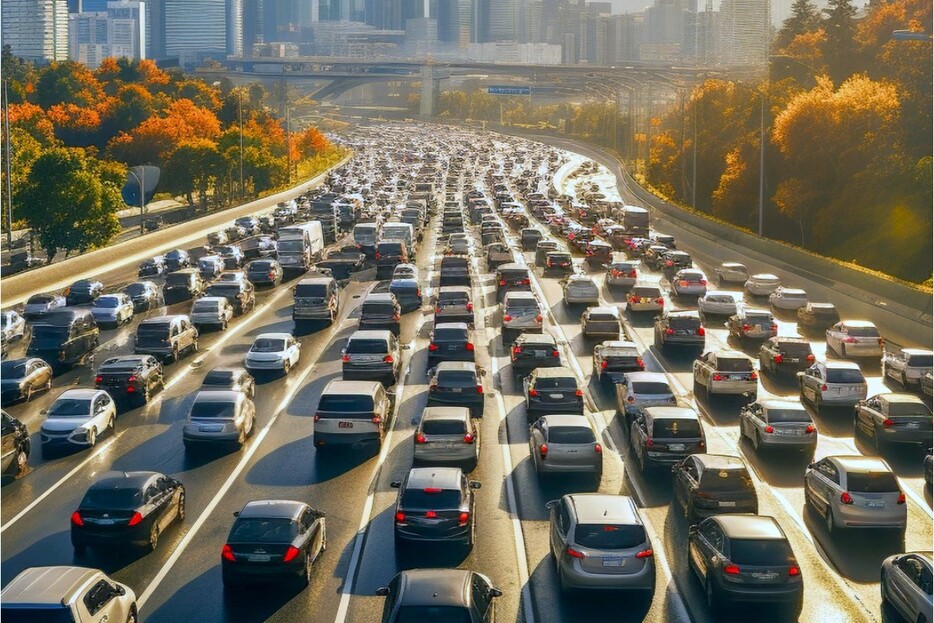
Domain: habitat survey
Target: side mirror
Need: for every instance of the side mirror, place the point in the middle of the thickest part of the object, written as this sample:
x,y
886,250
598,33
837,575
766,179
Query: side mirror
x,y
383,591
44,412
482,371
395,484
236,513
550,504
475,484
119,590
495,592
674,469
692,530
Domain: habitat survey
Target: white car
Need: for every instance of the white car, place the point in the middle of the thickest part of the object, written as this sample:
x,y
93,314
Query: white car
x,y
788,298
717,303
112,310
732,273
13,326
762,284
405,271
273,351
77,418
855,338
907,366
77,594
689,282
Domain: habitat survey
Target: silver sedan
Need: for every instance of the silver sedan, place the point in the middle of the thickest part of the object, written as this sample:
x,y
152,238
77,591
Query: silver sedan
x,y
906,582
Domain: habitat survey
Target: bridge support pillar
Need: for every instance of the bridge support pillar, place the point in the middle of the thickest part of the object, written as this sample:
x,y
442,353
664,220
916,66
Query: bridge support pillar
x,y
431,88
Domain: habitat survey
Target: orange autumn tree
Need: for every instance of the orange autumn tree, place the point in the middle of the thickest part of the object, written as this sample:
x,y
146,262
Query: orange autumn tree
x,y
156,137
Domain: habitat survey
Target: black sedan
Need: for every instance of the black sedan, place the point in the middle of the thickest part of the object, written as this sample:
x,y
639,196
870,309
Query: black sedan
x,y
131,377
127,508
450,341
439,594
177,259
21,378
435,505
457,383
83,291
713,484
14,459
552,390
264,272
534,350
145,295
271,540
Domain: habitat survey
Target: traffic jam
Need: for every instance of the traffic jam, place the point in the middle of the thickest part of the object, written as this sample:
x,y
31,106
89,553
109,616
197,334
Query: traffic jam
x,y
461,380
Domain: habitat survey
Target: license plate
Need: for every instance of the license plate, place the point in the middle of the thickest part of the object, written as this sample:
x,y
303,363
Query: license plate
x,y
106,522
912,425
677,447
556,396
737,377
258,558
793,360
448,446
727,504
771,575
875,504
758,328
345,424
612,561
456,390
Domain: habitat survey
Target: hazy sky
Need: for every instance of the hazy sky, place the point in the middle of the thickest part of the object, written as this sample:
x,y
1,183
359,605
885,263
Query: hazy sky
x,y
780,8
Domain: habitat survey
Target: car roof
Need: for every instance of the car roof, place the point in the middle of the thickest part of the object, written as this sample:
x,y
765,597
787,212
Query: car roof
x,y
860,463
858,323
125,359
434,587
618,344
720,461
684,313
47,585
797,291
647,377
604,309
732,265
604,509
788,339
457,365
379,297
404,281
164,319
671,413
440,477
900,397
542,338
841,365
316,281
777,403
445,289
212,299
511,266
272,508
768,276
370,334
273,336
756,310
726,353
578,277
218,395
555,372
520,294
123,480
576,421
340,386
445,413
749,527
80,393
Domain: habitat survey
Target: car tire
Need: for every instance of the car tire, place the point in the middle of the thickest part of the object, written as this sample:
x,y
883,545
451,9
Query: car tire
x,y
153,538
21,461
828,521
175,353
713,600
92,437
131,617
305,578
181,507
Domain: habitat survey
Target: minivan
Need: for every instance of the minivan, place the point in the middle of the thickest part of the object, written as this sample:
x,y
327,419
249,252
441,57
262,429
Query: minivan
x,y
317,298
64,337
371,356
351,413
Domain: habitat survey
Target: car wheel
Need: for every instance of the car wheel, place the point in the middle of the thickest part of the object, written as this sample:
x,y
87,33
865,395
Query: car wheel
x,y
146,395
175,353
181,506
21,461
713,601
286,367
131,617
306,573
829,520
92,437
883,592
153,537
112,425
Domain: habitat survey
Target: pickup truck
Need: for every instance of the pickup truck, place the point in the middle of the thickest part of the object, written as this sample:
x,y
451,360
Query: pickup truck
x,y
343,262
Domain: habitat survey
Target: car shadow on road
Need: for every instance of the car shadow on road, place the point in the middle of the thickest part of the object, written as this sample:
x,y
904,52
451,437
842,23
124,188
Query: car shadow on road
x,y
778,468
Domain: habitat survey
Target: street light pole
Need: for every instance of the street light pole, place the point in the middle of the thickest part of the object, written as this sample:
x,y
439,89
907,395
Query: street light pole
x,y
9,155
240,123
761,161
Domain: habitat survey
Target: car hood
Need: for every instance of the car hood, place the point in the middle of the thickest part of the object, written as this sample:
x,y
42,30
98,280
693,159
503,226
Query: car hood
x,y
61,425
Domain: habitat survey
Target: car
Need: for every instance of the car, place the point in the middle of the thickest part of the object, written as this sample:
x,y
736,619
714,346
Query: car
x,y
351,413
788,299
38,305
621,274
145,296
907,365
219,237
112,310
679,328
599,542
542,248
127,508
131,377
388,254
597,254
817,317
219,417
73,594
273,351
445,436
177,259
12,326
83,292
371,355
381,311
926,383
778,424
14,447
454,304
784,355
534,350
211,311
673,261
497,254
581,290
210,266
457,245
522,313
645,297
613,358
233,378
512,276
552,390
892,419
717,303
153,267
260,247
601,322
77,419
653,256
450,341
529,237
405,271
689,282
637,390
182,285
713,484
273,540
249,223
408,293
832,383
752,324
22,378
663,435
745,559
65,336
565,444
434,505
905,582
762,284
316,298
239,292
459,383
855,492
451,594
731,273
558,262
725,372
167,337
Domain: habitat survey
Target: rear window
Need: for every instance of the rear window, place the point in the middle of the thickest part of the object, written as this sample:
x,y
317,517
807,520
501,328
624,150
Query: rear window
x,y
787,415
204,306
337,405
367,347
733,365
514,274
444,427
845,376
155,328
40,299
389,247
909,408
109,498
650,388
765,552
378,308
457,378
752,318
219,377
603,316
608,536
646,291
433,614
260,266
795,348
683,322
454,262
825,311
556,382
178,279
52,614
311,289
679,428
862,331
212,409
263,530
871,482
726,480
517,303
570,434
921,361
453,298
445,334
430,499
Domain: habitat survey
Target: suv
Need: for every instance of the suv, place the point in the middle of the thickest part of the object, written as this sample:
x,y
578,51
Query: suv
x,y
453,304
182,285
381,311
512,277
455,271
73,594
534,350
529,237
713,484
565,444
240,293
351,413
522,313
130,377
450,341
65,336
166,337
679,328
907,366
83,292
458,383
552,390
614,358
317,298
212,311
601,322
435,504
371,356
783,354
559,261
666,435
725,372
388,254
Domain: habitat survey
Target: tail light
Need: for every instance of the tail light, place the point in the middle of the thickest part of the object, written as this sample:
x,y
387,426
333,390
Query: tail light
x,y
135,519
525,282
616,273
76,519
388,359
718,377
633,299
646,553
683,283
396,317
400,517
469,306
533,392
317,416
502,282
701,331
437,309
632,273
604,364
777,358
98,379
431,515
131,389
731,569
538,318
849,339
810,429
555,353
669,331
631,399
507,318
548,263
598,448
881,341
468,438
420,438
377,255
753,376
227,553
469,346
516,350
823,387
770,429
463,518
669,263
794,571
649,442
702,444
746,327
479,389
846,498
433,387
887,422
433,347
640,363
578,393
901,498
291,554
132,378
543,450
809,358
703,282
774,327
272,274
659,301
345,358
573,553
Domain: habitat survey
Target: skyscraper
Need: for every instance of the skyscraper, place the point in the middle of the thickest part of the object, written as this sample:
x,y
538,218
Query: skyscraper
x,y
745,26
193,26
235,27
35,29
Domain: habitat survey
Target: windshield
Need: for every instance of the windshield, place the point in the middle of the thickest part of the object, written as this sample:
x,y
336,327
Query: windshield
x,y
787,415
444,427
683,322
432,614
679,428
921,361
66,407
726,480
733,365
268,345
845,376
430,499
109,498
211,409
155,328
763,552
263,530
795,349
453,298
570,434
607,536
135,289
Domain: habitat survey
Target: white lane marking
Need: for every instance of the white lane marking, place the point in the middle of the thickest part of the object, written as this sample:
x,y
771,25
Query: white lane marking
x,y
234,474
508,468
77,468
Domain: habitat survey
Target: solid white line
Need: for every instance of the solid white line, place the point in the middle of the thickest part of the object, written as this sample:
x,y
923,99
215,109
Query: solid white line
x,y
77,468
234,474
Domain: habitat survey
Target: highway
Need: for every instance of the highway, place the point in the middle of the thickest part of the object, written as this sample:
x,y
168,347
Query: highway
x,y
181,580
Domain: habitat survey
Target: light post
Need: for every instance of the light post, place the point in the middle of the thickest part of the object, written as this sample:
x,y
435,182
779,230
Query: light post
x,y
9,156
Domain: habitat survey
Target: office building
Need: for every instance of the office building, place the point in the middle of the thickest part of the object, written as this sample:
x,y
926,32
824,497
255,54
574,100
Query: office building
x,y
746,32
235,27
35,30
120,31
193,28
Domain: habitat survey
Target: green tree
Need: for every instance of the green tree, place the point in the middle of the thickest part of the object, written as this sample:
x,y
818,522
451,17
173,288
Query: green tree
x,y
193,166
67,204
18,72
804,18
840,49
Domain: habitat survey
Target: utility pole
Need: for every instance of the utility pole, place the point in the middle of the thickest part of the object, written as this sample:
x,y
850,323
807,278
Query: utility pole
x,y
240,119
9,155
288,138
761,162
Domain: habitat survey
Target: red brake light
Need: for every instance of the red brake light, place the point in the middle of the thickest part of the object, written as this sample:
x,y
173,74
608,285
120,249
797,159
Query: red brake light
x,y
731,569
516,350
431,515
901,498
76,519
533,392
809,358
434,347
598,448
649,442
400,517
469,306
703,282
794,571
345,358
470,346
770,429
463,519
888,422
502,282
579,393
377,255
660,301
291,554
701,331
433,387
774,327
646,553
506,317
468,438
810,428
669,331
823,387
573,553
135,519
479,389
718,377
640,363
317,416
431,490
98,379
777,358
746,327
396,316
538,318
846,498
543,450
387,359
420,438
604,364
555,353
753,376
227,553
